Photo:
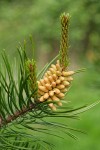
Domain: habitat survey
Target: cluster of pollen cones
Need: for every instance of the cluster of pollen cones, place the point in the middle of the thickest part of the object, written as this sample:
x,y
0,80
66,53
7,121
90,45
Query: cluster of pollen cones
x,y
54,85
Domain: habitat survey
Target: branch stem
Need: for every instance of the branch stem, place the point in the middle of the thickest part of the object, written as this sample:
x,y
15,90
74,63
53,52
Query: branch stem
x,y
16,115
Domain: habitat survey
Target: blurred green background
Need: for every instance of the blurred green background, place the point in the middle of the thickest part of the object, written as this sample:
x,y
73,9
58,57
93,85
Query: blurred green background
x,y
20,18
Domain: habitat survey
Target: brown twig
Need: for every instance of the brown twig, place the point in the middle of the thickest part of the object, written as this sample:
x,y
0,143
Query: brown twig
x,y
16,115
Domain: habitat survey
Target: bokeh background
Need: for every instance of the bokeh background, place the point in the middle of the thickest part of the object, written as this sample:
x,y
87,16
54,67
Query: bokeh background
x,y
40,18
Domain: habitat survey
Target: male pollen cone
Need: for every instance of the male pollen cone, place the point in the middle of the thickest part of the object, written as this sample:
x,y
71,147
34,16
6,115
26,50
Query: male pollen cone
x,y
54,85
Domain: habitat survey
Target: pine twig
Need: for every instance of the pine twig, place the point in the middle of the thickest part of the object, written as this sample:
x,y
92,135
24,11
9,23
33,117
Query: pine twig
x,y
17,114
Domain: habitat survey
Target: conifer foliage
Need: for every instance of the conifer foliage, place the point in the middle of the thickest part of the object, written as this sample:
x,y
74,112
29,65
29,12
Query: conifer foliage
x,y
28,98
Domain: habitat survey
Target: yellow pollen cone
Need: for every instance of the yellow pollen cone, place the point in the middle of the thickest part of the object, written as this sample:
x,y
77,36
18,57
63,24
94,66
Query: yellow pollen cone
x,y
50,79
54,98
51,93
52,70
60,86
53,66
42,82
48,86
41,99
57,91
40,92
66,83
60,95
63,90
42,88
58,62
58,81
59,104
53,84
69,73
46,75
58,67
46,80
61,78
69,79
49,73
54,76
39,84
51,105
58,73
46,96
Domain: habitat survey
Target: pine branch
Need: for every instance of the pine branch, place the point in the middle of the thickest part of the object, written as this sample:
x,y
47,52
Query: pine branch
x,y
17,114
26,102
